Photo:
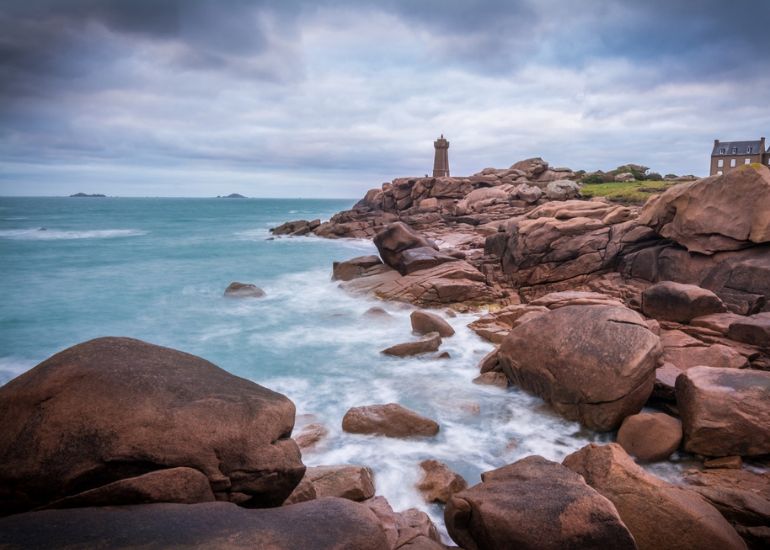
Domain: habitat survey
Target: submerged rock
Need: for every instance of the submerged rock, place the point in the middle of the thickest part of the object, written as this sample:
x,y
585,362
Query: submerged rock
x,y
390,420
595,364
112,409
534,503
243,290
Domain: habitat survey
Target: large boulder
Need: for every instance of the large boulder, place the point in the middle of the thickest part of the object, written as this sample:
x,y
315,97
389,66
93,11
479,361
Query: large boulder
x,y
534,504
670,301
725,411
329,523
714,214
422,257
650,436
397,237
659,515
390,420
116,408
595,363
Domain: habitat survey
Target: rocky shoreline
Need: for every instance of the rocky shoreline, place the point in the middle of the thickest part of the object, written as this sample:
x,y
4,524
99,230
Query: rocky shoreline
x,y
602,310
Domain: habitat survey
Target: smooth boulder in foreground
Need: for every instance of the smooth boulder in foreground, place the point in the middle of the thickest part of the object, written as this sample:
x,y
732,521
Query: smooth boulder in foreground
x,y
679,302
390,420
113,409
593,363
659,515
324,524
650,436
534,504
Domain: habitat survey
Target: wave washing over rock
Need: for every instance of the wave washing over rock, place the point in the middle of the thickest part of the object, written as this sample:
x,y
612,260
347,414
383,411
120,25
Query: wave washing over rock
x,y
574,322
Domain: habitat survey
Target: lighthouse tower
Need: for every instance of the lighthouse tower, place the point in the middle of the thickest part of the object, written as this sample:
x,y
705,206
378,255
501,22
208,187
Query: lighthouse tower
x,y
441,160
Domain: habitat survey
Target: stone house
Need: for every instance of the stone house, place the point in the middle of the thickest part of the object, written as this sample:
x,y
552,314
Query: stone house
x,y
728,155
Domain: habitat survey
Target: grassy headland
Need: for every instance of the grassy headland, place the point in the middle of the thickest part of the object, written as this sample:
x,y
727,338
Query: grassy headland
x,y
626,192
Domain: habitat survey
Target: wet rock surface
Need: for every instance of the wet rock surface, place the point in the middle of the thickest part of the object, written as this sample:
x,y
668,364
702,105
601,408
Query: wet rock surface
x,y
391,420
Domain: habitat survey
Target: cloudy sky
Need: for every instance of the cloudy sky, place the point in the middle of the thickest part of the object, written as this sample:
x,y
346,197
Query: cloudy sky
x,y
330,98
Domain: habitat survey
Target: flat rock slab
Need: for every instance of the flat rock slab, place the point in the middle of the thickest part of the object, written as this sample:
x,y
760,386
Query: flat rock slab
x,y
354,268
754,330
391,420
725,411
329,523
534,503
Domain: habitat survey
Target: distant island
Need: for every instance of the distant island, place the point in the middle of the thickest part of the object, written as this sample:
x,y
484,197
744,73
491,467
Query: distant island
x,y
232,196
87,195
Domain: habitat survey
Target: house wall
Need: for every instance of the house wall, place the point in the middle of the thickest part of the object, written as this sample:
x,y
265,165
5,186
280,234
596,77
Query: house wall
x,y
740,160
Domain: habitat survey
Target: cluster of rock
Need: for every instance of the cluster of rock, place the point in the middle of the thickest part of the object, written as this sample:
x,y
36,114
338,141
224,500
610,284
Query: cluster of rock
x,y
116,443
601,310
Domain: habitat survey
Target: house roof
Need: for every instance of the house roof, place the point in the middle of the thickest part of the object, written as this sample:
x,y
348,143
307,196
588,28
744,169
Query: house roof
x,y
741,146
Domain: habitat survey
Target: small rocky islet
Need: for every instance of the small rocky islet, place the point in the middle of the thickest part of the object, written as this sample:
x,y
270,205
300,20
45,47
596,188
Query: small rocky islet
x,y
600,309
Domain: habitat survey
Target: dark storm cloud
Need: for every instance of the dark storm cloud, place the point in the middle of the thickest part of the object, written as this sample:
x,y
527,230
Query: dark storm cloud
x,y
361,86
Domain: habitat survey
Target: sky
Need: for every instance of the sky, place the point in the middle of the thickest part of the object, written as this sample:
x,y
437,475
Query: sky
x,y
331,98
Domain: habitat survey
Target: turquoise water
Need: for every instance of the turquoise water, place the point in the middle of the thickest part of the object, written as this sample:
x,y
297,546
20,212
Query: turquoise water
x,y
155,269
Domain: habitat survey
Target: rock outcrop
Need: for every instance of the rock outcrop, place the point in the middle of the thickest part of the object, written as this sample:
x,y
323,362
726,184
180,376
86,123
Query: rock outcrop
x,y
396,239
345,481
354,267
595,364
329,523
534,503
115,409
390,420
725,411
715,214
658,514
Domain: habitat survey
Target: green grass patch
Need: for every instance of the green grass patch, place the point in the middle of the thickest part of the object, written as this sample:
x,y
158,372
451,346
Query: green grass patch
x,y
626,192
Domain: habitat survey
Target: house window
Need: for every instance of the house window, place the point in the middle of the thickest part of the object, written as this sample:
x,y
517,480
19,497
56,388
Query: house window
x,y
735,151
722,151
719,172
720,163
749,150
732,163
746,161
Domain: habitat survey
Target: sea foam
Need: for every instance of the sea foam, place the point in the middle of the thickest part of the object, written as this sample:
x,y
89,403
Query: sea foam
x,y
45,234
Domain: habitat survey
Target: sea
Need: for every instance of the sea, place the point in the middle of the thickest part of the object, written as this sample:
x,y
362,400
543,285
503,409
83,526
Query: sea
x,y
72,269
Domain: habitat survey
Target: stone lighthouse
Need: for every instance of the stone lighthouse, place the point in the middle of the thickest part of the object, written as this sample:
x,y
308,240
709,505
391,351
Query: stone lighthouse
x,y
441,160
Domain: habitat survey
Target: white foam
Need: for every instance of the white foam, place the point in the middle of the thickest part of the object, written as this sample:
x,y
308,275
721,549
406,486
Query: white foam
x,y
44,234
